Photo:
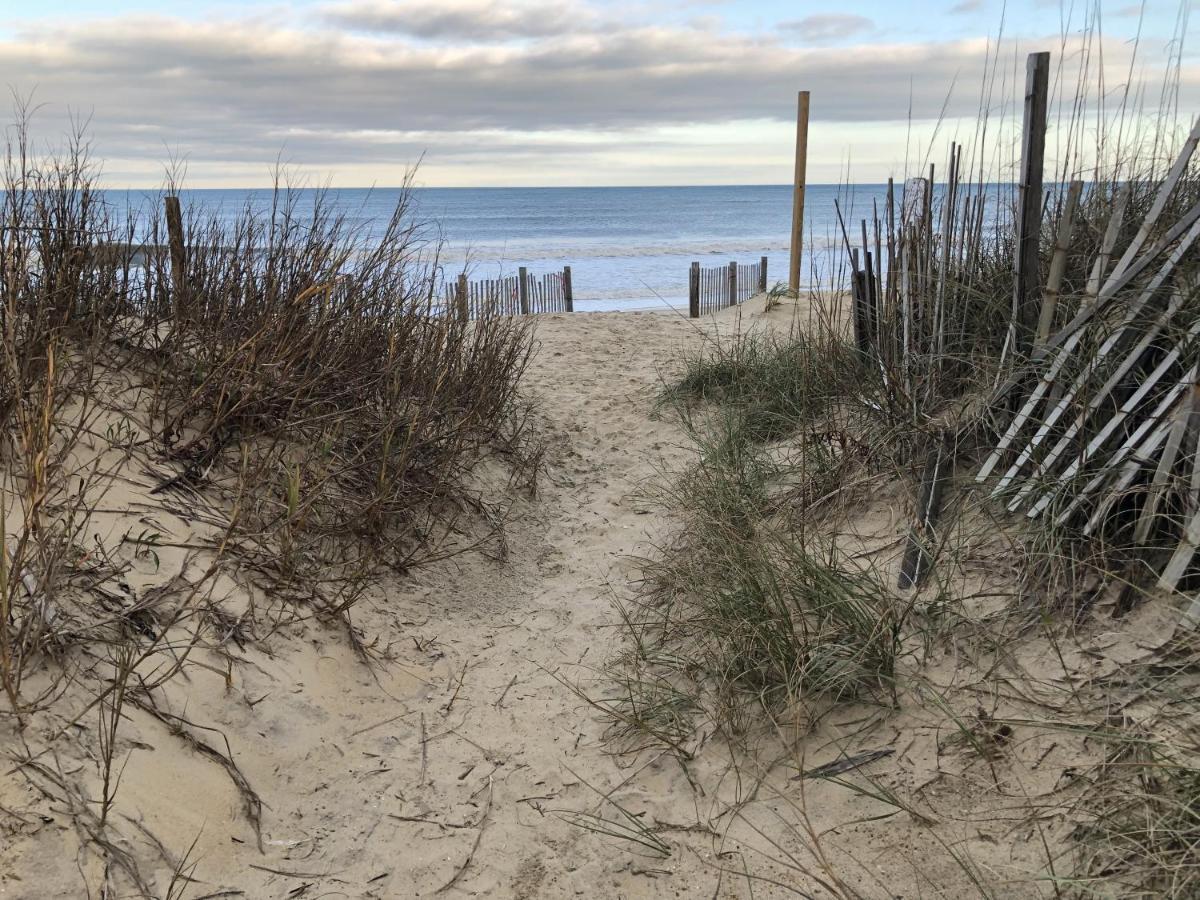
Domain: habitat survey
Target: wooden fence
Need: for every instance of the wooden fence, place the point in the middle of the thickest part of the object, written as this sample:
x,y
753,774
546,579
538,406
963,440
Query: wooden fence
x,y
519,294
712,289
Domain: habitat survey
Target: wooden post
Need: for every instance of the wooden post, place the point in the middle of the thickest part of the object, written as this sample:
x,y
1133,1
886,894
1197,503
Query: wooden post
x,y
176,247
917,558
1029,207
798,192
762,275
460,295
733,283
523,289
694,291
858,299
1058,262
568,292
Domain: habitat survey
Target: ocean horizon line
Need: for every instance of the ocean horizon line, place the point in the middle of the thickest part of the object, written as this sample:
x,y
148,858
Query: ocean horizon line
x,y
555,187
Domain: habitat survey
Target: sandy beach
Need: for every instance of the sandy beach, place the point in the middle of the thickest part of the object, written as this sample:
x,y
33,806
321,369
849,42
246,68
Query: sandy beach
x,y
461,761
453,759
536,449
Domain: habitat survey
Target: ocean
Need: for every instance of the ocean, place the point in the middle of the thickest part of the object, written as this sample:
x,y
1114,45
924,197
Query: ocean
x,y
628,247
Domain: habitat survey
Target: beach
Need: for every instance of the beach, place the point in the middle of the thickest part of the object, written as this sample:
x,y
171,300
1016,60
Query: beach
x,y
457,754
537,449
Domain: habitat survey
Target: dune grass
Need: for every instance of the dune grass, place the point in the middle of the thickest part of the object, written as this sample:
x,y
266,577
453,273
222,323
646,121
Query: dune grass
x,y
295,381
764,609
294,397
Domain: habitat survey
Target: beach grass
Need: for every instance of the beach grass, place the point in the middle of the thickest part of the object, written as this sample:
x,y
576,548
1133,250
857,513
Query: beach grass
x,y
293,379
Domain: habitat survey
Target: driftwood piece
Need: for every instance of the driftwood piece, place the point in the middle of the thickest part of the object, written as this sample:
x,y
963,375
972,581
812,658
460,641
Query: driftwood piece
x,y
845,764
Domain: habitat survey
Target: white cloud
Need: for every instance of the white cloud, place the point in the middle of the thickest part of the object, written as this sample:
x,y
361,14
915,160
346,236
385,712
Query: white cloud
x,y
364,103
825,27
476,20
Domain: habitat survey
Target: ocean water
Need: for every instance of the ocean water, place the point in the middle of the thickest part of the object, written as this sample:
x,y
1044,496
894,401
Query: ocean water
x,y
628,247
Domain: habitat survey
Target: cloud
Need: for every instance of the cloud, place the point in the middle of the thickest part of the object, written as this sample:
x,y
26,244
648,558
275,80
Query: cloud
x,y
966,6
475,20
826,27
231,93
231,80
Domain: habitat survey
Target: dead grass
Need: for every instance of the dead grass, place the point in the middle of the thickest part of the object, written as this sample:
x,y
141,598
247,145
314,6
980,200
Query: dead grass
x,y
296,397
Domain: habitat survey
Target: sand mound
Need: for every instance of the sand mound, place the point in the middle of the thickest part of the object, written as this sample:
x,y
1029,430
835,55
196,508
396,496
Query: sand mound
x,y
461,761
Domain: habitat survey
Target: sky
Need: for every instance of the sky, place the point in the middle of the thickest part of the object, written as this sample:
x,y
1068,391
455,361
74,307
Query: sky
x,y
558,92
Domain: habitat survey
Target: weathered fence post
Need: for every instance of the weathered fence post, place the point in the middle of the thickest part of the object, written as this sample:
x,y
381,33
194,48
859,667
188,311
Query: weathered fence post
x,y
733,283
798,193
460,297
858,298
175,245
762,275
1029,211
694,291
523,289
568,293
917,559
1058,262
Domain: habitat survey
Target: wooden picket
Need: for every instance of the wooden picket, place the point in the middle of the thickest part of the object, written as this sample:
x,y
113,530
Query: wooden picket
x,y
512,295
716,288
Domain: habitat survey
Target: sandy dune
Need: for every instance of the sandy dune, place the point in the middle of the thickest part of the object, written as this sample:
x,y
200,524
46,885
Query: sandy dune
x,y
463,765
380,782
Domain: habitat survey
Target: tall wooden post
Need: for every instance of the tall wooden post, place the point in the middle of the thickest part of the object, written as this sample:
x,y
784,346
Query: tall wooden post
x,y
694,291
460,295
1029,206
762,275
176,248
568,291
798,193
732,283
523,289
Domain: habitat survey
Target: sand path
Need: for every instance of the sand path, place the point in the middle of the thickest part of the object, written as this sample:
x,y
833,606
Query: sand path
x,y
460,764
511,752
455,766
550,612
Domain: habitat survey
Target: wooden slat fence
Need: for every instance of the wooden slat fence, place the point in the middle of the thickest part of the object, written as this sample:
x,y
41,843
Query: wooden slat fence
x,y
716,288
514,295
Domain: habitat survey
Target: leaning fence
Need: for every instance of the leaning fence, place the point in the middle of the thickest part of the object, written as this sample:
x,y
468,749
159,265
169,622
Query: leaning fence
x,y
715,288
519,294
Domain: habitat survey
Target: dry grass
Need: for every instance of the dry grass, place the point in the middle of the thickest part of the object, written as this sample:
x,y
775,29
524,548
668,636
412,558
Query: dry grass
x,y
317,354
748,621
299,401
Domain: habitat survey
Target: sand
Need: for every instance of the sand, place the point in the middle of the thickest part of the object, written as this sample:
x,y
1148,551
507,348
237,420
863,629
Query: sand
x,y
463,765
